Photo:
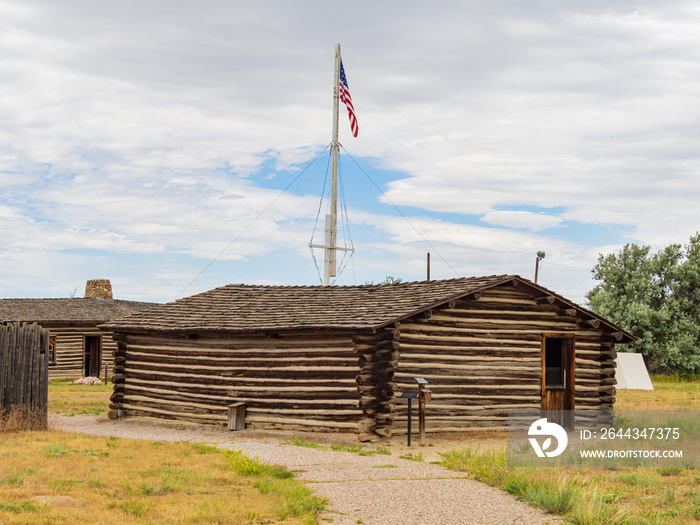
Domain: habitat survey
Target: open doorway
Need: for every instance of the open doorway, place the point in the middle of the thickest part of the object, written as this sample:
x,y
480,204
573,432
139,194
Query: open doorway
x,y
92,361
558,378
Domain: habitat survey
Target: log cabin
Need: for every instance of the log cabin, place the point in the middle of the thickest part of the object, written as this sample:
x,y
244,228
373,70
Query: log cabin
x,y
334,358
77,348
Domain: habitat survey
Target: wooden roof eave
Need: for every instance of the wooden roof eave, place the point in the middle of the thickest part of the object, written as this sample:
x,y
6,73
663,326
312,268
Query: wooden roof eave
x,y
536,291
208,331
476,291
581,312
56,322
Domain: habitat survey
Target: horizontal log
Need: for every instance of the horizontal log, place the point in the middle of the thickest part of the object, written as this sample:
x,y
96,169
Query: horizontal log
x,y
229,378
385,418
464,353
546,299
240,341
275,388
311,423
321,414
383,432
320,403
375,348
366,425
375,338
243,359
151,411
458,340
589,323
264,351
518,333
234,367
488,398
467,381
370,401
369,390
454,429
382,355
617,336
374,368
594,372
365,379
377,376
116,398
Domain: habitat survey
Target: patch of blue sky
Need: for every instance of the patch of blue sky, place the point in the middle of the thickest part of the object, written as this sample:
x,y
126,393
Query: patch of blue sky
x,y
587,233
358,190
553,210
591,234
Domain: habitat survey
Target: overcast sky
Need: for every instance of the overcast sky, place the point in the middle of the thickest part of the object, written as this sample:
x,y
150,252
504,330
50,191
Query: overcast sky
x,y
139,138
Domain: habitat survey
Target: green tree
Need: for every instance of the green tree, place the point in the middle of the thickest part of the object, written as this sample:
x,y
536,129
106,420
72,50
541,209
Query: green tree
x,y
656,297
387,280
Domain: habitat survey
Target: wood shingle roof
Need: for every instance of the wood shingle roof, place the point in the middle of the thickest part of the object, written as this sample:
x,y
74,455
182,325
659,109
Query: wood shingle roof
x,y
68,311
237,308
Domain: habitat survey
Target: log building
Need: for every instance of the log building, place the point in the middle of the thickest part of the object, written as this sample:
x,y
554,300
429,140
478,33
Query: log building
x,y
335,358
77,347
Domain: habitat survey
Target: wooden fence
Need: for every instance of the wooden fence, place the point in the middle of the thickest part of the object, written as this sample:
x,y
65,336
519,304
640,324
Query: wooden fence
x,y
24,369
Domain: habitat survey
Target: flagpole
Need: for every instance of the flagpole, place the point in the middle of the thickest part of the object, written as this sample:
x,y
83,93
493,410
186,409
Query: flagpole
x,y
329,259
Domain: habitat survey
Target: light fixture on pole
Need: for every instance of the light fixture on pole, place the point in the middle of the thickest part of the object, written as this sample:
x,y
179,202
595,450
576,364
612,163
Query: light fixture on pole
x,y
540,256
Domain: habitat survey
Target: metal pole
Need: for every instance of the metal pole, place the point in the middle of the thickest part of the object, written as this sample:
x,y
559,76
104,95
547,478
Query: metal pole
x,y
428,263
421,413
329,259
409,421
537,268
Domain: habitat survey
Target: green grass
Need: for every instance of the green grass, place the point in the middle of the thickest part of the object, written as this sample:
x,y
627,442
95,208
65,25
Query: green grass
x,y
301,442
413,457
338,447
68,399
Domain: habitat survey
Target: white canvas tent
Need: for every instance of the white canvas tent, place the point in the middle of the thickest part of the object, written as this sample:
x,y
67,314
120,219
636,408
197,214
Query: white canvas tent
x,y
631,372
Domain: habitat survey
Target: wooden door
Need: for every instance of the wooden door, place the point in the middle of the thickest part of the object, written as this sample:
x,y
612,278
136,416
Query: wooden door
x,y
93,356
558,378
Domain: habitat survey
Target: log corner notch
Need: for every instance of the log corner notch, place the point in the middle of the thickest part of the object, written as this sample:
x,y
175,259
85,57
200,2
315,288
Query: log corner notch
x,y
378,355
117,397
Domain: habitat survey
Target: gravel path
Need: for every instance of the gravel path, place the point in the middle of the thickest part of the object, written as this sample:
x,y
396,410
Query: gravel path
x,y
372,490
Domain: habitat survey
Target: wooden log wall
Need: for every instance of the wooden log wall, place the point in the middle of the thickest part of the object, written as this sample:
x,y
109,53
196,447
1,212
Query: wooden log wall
x,y
24,380
70,350
295,382
482,357
377,360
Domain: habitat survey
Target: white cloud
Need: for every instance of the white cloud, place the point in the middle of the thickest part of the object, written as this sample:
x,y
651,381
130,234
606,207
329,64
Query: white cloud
x,y
137,130
521,219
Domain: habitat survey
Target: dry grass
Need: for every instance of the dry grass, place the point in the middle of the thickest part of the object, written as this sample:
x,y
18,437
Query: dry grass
x,y
21,418
55,477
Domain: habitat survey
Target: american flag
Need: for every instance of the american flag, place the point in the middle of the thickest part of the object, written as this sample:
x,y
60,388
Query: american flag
x,y
344,93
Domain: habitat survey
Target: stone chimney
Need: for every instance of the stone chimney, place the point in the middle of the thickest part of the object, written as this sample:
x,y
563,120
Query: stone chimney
x,y
99,289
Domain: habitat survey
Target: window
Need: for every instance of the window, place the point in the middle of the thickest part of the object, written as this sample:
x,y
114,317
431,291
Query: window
x,y
52,350
555,371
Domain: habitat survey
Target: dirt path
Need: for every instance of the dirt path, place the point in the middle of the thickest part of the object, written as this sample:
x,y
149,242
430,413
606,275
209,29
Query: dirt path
x,y
371,490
